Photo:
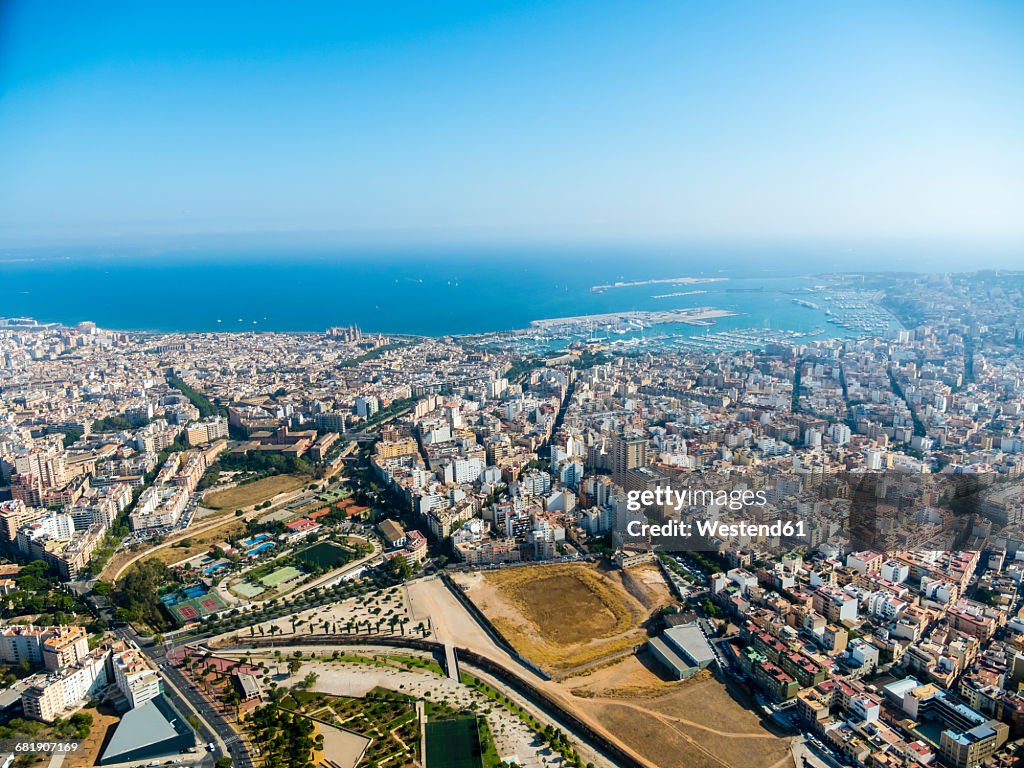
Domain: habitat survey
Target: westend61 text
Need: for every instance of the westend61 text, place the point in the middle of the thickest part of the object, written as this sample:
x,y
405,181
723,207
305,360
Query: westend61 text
x,y
716,529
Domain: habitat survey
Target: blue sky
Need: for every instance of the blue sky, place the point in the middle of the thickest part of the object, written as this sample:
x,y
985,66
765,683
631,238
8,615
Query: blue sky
x,y
512,122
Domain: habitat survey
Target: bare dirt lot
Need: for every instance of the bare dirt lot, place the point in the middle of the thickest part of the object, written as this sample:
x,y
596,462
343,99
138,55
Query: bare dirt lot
x,y
254,493
563,617
678,725
88,753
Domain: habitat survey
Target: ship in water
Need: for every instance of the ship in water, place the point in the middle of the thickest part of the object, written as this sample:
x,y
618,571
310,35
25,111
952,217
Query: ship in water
x,y
805,303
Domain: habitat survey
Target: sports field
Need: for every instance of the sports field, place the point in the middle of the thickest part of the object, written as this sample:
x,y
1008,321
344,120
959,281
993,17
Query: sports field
x,y
196,608
453,743
280,576
245,589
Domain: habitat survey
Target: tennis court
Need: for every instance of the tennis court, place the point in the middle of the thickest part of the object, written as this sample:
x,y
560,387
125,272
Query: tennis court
x,y
196,608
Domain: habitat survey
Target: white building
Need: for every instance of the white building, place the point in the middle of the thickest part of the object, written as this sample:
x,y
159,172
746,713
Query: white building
x,y
54,526
463,470
135,678
839,433
159,507
68,689
885,607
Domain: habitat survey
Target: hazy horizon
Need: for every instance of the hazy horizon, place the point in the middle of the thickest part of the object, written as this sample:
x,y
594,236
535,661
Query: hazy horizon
x,y
652,259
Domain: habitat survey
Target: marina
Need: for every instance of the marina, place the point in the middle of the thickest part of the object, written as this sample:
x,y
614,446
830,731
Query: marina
x,y
692,316
658,281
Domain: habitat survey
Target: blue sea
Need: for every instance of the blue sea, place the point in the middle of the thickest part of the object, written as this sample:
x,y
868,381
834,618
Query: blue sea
x,y
426,291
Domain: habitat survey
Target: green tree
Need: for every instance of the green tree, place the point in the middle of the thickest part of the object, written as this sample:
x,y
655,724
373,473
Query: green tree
x,y
399,568
138,591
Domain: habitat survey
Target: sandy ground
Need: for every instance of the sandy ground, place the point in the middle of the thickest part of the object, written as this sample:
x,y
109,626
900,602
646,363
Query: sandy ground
x,y
430,600
646,583
343,748
567,617
637,675
378,606
88,753
691,723
670,724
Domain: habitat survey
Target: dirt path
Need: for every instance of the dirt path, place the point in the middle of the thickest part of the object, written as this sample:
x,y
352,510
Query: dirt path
x,y
663,717
692,741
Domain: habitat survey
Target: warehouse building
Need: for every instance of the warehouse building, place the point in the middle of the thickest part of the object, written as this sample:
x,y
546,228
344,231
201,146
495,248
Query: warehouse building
x,y
683,650
150,731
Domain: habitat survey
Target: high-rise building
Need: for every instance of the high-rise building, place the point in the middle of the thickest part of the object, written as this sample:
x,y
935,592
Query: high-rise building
x,y
53,647
629,451
63,646
207,431
13,515
135,678
65,690
45,463
367,406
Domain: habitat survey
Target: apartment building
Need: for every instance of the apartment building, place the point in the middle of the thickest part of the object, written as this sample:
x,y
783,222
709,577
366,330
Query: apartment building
x,y
158,507
13,515
60,692
207,431
137,681
63,646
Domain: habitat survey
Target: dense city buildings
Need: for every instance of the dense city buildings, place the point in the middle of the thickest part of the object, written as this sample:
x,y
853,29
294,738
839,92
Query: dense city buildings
x,y
857,495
